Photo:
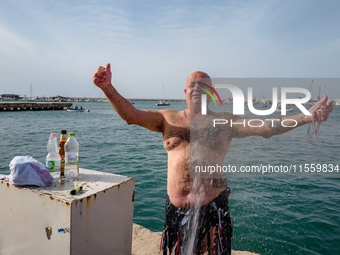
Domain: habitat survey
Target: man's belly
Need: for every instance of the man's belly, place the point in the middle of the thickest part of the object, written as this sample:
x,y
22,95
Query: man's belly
x,y
185,188
183,196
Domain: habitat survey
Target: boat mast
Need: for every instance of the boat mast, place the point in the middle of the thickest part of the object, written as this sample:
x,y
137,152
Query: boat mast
x,y
311,85
310,89
31,90
163,92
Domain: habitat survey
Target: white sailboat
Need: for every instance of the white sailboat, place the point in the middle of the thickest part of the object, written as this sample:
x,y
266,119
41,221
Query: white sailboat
x,y
163,102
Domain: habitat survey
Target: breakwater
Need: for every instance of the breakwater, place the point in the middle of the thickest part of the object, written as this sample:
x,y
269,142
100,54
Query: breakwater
x,y
33,106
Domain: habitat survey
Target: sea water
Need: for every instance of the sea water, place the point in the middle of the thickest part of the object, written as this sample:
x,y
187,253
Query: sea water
x,y
270,215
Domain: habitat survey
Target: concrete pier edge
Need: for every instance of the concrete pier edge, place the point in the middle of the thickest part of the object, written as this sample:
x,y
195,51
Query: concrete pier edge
x,y
146,242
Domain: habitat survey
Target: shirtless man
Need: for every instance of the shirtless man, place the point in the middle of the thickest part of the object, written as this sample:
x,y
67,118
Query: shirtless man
x,y
184,191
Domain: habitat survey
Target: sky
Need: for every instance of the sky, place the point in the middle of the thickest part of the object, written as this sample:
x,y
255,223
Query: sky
x,y
58,45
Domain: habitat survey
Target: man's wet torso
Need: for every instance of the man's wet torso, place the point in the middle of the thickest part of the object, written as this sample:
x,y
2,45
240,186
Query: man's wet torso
x,y
189,144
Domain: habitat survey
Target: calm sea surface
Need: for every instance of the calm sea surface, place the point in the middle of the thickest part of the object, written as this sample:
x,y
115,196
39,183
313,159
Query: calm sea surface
x,y
271,215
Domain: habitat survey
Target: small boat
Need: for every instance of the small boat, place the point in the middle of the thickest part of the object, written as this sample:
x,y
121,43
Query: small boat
x,y
75,110
163,103
278,109
264,105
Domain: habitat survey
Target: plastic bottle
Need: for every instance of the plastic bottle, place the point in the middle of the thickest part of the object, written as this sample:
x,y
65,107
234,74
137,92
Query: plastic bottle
x,y
53,157
71,157
63,139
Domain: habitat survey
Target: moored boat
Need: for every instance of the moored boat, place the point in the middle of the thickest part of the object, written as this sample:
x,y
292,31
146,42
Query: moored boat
x,y
75,110
163,103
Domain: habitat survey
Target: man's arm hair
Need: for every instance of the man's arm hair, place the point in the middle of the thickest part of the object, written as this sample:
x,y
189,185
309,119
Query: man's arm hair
x,y
319,111
275,125
152,120
268,127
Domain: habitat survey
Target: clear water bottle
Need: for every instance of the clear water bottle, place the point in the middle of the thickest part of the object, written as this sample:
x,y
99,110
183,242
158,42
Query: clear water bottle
x,y
53,157
71,157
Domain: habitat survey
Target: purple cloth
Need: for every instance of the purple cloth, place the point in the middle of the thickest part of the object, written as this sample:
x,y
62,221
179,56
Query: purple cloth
x,y
25,170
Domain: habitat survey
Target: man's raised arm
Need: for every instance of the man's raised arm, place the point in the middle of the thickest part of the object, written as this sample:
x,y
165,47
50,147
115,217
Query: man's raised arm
x,y
275,126
152,120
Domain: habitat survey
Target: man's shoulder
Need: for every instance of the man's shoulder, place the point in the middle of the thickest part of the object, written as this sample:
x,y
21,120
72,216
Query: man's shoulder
x,y
221,115
168,112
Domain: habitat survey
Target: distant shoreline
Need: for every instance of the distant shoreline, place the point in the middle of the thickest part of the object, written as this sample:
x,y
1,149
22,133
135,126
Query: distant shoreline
x,y
153,99
92,99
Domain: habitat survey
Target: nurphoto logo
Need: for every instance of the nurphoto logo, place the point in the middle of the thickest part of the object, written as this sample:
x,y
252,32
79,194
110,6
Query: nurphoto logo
x,y
238,100
238,104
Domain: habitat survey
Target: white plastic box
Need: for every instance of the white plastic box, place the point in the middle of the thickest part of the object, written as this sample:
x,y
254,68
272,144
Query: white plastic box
x,y
98,220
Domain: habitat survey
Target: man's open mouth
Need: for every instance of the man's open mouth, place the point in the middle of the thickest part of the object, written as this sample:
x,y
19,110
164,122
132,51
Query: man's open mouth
x,y
196,94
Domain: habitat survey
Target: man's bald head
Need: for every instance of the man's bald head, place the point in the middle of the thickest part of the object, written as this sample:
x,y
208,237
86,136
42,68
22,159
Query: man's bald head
x,y
197,83
199,75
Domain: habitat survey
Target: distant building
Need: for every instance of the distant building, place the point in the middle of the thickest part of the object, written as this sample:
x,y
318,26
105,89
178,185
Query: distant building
x,y
60,98
9,97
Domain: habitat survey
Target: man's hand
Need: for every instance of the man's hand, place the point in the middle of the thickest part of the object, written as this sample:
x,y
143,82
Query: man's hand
x,y
319,111
102,78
